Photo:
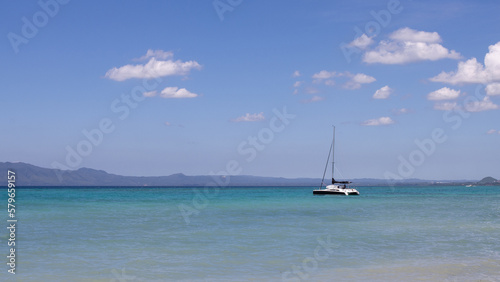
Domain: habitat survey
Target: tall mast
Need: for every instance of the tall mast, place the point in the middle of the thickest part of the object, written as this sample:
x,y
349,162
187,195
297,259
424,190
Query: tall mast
x,y
333,154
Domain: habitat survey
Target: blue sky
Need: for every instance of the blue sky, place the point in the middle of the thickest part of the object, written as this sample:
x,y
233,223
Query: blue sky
x,y
413,87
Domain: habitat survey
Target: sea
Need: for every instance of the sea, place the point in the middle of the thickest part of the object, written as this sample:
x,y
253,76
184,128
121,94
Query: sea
x,y
423,233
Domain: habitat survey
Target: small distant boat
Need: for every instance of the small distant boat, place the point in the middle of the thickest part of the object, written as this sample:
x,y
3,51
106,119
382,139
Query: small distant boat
x,y
337,187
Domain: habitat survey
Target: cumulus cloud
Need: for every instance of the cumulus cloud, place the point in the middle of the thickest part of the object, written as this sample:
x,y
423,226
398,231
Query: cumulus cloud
x,y
357,80
493,89
444,93
158,54
324,74
411,35
175,92
152,69
407,45
382,93
445,106
297,84
363,78
296,73
354,81
325,77
378,121
250,117
362,42
480,106
313,99
472,71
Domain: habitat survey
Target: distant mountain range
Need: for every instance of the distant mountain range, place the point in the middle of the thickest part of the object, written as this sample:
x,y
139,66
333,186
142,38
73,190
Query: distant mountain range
x,y
30,175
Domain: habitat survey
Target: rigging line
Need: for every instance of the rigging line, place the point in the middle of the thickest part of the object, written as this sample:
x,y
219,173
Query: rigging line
x,y
339,172
326,166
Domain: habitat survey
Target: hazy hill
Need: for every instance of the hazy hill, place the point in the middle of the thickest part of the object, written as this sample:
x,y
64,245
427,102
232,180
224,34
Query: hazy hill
x,y
488,181
30,175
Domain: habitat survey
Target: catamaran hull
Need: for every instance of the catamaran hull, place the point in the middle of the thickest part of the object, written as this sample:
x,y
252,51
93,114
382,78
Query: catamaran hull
x,y
323,192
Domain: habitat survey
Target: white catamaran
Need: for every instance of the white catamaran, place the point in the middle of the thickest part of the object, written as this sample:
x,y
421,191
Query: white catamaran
x,y
337,187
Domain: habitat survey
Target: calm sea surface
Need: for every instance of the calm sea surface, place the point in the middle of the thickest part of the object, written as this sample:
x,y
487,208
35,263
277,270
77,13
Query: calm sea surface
x,y
256,234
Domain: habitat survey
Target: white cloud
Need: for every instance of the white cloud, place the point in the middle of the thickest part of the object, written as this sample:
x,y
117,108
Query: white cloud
x,y
407,45
297,83
167,123
407,52
175,92
152,69
324,75
444,93
472,71
296,73
362,42
493,89
357,80
149,94
492,131
295,92
382,93
378,121
354,80
411,35
476,106
480,106
158,54
250,117
313,99
445,106
363,78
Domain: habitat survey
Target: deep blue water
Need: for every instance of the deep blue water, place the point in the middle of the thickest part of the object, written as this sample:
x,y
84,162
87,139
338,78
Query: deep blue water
x,y
266,233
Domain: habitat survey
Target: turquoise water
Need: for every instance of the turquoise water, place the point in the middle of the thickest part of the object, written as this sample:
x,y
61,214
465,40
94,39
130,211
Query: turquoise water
x,y
257,234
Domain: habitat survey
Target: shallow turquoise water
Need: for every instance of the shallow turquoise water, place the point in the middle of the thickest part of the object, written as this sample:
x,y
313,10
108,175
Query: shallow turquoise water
x,y
241,234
